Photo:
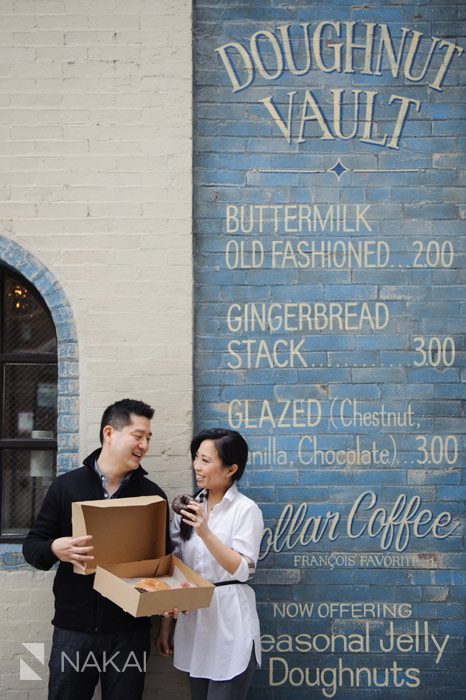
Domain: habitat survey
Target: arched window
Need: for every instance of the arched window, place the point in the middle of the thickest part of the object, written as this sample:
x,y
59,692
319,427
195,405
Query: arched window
x,y
28,385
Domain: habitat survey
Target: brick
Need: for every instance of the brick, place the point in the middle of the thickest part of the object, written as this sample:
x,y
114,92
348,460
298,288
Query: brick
x,y
17,22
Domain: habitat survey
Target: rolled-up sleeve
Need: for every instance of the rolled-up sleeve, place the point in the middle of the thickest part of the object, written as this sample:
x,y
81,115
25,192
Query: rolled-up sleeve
x,y
247,537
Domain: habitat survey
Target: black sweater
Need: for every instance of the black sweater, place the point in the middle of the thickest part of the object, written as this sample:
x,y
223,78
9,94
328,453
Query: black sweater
x,y
77,606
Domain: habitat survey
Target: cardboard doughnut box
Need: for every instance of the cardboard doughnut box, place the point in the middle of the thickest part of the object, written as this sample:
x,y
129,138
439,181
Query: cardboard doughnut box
x,y
128,535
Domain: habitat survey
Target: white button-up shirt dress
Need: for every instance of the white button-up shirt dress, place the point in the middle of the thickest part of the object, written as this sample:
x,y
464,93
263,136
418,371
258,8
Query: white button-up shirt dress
x,y
216,642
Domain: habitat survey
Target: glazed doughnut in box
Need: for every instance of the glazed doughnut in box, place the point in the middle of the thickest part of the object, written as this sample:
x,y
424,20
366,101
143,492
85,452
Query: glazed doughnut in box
x,y
129,535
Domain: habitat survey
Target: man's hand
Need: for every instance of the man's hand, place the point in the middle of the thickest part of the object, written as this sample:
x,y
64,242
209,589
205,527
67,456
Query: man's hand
x,y
75,550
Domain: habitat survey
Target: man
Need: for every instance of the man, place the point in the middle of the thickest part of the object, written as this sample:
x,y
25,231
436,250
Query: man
x,y
86,623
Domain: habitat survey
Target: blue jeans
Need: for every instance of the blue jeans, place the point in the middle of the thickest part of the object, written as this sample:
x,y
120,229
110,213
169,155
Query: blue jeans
x,y
79,659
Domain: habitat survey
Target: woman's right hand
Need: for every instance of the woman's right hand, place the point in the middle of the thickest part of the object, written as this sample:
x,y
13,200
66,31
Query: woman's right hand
x,y
163,643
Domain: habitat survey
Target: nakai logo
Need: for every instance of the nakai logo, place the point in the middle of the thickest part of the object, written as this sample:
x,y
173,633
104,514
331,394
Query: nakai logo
x,y
37,650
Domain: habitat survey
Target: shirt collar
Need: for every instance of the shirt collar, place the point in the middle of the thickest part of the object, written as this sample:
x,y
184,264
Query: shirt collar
x,y
103,479
228,496
231,493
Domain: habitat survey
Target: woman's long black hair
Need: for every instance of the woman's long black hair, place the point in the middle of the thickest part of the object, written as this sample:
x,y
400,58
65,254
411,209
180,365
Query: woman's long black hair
x,y
232,448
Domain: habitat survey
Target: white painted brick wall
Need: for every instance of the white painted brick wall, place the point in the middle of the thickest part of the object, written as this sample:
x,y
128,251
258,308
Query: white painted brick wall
x,y
95,181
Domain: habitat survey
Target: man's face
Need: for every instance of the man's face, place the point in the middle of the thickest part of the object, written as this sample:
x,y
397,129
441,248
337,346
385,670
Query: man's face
x,y
128,445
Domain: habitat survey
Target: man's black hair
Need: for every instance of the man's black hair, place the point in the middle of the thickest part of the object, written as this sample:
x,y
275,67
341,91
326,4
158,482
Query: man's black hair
x,y
118,414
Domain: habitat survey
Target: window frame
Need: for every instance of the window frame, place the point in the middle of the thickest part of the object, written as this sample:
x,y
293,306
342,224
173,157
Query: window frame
x,y
23,357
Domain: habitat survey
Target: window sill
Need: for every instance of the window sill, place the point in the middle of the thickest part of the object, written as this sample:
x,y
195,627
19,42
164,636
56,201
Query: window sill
x,y
11,557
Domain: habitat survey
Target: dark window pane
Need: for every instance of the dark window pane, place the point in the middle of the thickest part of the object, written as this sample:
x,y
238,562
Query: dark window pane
x,y
28,405
27,474
30,400
27,325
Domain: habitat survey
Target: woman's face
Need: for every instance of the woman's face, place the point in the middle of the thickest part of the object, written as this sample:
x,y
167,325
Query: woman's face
x,y
209,470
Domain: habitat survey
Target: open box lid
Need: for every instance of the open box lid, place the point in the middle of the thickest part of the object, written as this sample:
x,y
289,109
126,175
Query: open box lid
x,y
122,529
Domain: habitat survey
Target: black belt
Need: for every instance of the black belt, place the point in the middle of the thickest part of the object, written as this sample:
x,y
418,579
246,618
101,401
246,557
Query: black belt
x,y
228,583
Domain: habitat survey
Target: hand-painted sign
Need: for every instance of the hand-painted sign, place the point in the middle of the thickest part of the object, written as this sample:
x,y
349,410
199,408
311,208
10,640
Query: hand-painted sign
x,y
330,299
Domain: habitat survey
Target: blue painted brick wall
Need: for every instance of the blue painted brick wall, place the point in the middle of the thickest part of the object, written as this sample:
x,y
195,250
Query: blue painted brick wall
x,y
414,197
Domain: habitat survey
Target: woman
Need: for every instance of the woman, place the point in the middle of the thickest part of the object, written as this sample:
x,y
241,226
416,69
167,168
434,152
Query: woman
x,y
218,535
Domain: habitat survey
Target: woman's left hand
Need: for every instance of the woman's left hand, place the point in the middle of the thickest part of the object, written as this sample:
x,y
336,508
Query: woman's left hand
x,y
196,517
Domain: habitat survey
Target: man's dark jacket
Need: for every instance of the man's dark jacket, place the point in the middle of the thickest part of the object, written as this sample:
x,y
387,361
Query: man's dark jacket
x,y
77,606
